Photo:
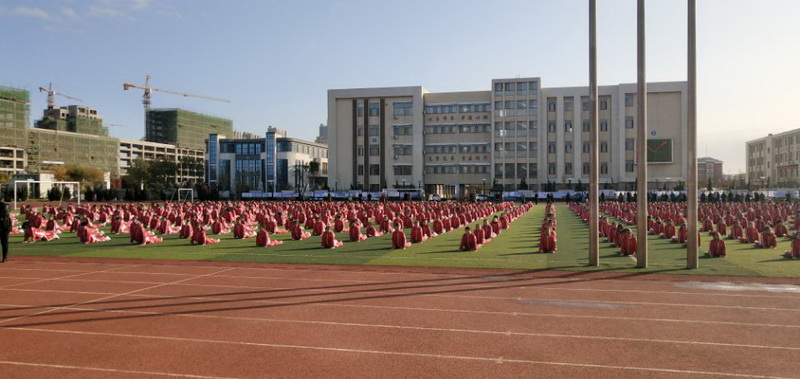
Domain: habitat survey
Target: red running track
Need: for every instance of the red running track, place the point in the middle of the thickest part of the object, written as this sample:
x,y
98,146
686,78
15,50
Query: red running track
x,y
133,318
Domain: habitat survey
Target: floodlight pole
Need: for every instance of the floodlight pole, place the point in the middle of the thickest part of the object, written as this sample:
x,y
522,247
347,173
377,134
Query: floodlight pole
x,y
691,140
594,156
641,137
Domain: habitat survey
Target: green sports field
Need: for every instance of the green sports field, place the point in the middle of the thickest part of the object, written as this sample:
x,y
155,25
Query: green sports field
x,y
515,248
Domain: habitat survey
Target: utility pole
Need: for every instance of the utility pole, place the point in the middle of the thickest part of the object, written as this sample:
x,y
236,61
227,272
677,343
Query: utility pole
x,y
641,137
691,198
594,156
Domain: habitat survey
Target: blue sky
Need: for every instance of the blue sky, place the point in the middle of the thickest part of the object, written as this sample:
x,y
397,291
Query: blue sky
x,y
275,60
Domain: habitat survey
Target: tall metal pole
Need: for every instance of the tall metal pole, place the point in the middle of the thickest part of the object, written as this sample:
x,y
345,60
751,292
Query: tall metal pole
x,y
594,155
691,141
641,139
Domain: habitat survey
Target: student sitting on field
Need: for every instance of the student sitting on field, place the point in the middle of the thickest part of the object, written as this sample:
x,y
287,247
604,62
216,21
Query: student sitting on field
x,y
780,230
468,241
399,237
200,238
751,234
478,232
371,231
263,240
794,253
355,231
329,239
629,243
722,227
717,246
416,233
768,239
298,233
240,230
669,230
548,241
737,232
32,234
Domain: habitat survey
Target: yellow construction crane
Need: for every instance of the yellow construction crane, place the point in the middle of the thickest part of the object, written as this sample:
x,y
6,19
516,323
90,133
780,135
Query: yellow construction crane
x,y
51,96
148,90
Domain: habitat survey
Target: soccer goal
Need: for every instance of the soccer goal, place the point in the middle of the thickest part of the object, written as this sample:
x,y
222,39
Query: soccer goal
x,y
185,194
27,183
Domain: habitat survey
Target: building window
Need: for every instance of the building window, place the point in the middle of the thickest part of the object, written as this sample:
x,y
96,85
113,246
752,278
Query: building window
x,y
533,147
629,165
603,104
402,170
360,110
533,87
567,147
568,127
498,105
551,126
551,148
551,169
603,168
629,100
374,130
374,150
586,126
360,169
359,132
568,104
509,87
629,144
629,122
551,104
360,150
374,169
568,168
533,105
603,147
522,87
498,88
402,108
603,125
533,170
586,147
509,104
533,126
374,109
584,103
586,168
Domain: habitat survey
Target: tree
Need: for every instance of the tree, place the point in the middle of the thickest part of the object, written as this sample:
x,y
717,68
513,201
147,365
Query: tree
x,y
523,185
496,187
709,185
82,174
162,171
579,186
139,172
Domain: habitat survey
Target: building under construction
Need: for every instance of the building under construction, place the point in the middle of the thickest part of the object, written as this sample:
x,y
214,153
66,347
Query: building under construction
x,y
73,118
76,135
183,128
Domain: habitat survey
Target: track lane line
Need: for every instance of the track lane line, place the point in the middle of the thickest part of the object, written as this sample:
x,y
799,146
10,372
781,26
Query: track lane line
x,y
110,370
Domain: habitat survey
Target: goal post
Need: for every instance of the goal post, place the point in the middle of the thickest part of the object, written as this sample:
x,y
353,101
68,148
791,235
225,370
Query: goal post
x,y
182,194
52,183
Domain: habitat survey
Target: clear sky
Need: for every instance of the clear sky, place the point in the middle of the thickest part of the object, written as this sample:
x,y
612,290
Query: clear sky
x,y
275,60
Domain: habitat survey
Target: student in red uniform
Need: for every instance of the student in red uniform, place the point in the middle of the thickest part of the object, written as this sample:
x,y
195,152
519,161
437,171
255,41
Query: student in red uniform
x,y
717,246
468,241
780,230
263,240
399,238
737,232
371,231
478,232
547,242
355,231
669,230
751,234
329,239
795,252
298,233
629,243
416,233
768,239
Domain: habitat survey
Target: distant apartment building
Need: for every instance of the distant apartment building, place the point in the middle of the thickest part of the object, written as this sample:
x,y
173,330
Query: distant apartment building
x,y
183,128
323,134
517,134
73,118
189,162
709,168
270,163
773,160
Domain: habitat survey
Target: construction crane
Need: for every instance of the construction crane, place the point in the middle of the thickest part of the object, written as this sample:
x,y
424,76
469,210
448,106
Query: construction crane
x,y
149,90
51,96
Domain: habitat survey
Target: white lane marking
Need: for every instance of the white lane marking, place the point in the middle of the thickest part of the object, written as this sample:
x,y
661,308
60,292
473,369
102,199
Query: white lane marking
x,y
111,370
65,277
431,329
397,353
444,310
110,296
728,286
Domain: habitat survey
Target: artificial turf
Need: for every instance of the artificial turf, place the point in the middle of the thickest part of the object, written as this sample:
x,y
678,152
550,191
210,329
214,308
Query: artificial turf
x,y
515,248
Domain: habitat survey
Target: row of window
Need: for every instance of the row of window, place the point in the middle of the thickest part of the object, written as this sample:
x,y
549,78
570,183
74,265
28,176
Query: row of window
x,y
517,104
452,129
457,108
568,101
453,149
456,169
520,88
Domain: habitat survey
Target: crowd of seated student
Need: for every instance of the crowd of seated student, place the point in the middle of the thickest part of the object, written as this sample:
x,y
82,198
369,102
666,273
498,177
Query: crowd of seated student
x,y
548,238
